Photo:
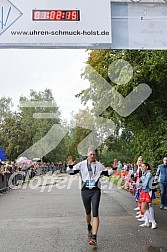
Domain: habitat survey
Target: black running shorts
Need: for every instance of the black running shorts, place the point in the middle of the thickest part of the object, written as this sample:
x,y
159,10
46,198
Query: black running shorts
x,y
91,197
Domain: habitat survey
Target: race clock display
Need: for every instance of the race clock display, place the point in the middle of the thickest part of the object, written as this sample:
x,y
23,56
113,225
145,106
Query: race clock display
x,y
56,15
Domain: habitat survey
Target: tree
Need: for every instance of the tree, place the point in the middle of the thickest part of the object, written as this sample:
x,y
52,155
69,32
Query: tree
x,y
12,136
5,108
35,112
147,123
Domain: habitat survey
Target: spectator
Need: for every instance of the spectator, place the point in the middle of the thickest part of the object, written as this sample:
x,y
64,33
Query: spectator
x,y
129,166
9,167
125,166
52,167
115,164
161,175
137,190
133,173
120,165
119,169
146,196
1,168
152,195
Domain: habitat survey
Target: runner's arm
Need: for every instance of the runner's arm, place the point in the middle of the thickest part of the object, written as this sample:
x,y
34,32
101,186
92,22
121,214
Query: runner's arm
x,y
72,169
107,172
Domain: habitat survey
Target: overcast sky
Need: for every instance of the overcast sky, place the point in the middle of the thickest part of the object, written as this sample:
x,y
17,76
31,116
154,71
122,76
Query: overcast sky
x,y
37,69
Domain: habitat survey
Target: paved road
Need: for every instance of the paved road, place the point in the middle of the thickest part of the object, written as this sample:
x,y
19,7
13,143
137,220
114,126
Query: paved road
x,y
41,221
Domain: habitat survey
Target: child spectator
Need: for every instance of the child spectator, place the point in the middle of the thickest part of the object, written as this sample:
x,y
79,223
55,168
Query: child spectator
x,y
146,196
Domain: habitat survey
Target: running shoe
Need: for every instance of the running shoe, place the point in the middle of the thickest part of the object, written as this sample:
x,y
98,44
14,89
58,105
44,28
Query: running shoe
x,y
137,208
144,225
93,241
154,225
139,216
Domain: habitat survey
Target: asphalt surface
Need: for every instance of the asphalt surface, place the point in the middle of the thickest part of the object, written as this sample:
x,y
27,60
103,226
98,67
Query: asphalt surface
x,y
51,218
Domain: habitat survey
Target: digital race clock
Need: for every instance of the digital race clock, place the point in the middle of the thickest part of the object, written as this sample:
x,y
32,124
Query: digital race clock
x,y
56,15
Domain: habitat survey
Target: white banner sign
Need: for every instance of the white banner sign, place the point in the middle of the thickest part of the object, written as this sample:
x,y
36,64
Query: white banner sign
x,y
55,22
147,25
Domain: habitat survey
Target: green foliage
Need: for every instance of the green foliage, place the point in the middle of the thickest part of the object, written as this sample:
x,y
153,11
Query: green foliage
x,y
21,130
5,108
38,128
147,125
144,132
13,137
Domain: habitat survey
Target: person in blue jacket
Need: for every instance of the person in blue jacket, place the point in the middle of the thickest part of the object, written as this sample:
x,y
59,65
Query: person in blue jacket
x,y
146,195
161,175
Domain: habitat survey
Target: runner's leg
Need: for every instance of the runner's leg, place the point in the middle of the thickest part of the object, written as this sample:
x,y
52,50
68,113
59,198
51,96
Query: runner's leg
x,y
86,197
95,210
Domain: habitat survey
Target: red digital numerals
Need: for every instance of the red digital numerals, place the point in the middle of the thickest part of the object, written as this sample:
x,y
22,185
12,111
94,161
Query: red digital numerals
x,y
56,15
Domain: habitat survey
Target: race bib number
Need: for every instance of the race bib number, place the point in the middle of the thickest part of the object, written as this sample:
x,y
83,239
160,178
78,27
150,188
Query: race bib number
x,y
90,183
